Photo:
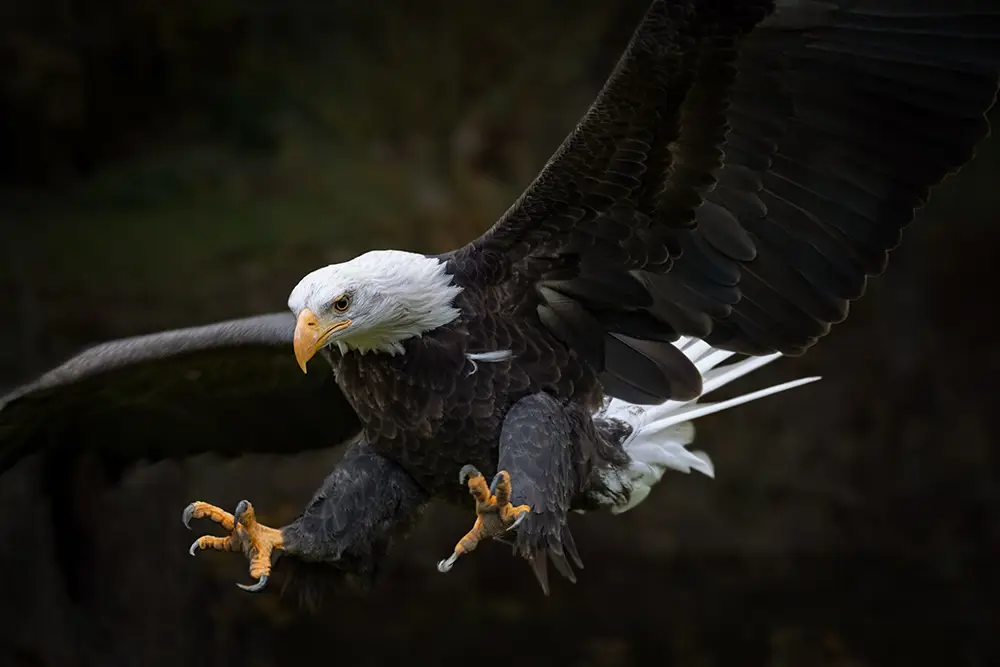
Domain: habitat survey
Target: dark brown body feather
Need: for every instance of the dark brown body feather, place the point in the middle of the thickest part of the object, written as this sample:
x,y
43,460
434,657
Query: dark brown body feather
x,y
433,410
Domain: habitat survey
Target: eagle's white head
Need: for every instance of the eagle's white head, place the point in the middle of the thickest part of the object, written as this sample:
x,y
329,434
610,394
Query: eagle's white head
x,y
372,303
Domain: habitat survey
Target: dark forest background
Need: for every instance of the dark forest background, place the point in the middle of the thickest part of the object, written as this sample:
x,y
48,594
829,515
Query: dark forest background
x,y
164,164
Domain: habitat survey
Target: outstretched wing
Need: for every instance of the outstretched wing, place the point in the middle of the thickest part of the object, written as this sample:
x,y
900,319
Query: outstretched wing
x,y
230,388
739,176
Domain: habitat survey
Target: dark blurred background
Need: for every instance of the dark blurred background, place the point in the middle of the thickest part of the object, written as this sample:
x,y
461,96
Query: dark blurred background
x,y
164,164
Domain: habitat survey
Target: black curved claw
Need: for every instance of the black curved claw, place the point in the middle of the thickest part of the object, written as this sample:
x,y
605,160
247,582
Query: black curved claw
x,y
467,471
241,507
493,485
187,515
255,588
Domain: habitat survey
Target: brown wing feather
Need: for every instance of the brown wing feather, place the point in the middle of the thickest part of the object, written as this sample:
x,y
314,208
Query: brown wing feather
x,y
749,168
605,210
229,388
842,119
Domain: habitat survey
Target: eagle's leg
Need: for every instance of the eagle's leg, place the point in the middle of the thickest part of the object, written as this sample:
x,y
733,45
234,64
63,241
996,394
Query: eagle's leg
x,y
541,451
246,534
363,505
495,514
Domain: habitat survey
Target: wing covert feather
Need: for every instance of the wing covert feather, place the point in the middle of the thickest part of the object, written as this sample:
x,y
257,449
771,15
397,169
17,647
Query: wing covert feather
x,y
230,388
749,165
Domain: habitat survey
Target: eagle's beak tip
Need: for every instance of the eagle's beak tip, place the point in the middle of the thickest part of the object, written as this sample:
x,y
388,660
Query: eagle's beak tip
x,y
306,338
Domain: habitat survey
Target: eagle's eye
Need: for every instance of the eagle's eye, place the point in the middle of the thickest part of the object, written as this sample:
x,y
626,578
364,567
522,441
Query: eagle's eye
x,y
342,303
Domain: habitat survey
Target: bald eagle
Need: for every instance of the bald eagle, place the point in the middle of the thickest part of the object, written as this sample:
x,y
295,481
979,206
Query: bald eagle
x,y
742,172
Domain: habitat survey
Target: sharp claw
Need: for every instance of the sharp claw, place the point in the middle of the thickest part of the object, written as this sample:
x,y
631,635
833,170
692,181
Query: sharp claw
x,y
241,507
194,547
466,472
187,515
446,564
255,588
493,485
517,522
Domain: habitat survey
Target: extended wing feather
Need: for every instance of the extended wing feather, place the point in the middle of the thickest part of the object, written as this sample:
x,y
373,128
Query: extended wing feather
x,y
229,388
616,199
749,165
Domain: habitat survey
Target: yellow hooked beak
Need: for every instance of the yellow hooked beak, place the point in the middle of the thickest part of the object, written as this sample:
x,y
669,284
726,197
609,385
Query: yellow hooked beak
x,y
309,338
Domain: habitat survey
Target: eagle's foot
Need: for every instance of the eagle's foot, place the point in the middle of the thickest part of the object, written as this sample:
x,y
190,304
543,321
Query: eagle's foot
x,y
254,539
495,514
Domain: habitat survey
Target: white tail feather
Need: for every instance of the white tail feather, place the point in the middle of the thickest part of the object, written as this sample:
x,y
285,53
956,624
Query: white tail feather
x,y
661,433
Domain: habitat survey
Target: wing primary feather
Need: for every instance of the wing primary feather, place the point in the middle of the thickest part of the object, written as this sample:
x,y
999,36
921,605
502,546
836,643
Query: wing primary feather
x,y
658,369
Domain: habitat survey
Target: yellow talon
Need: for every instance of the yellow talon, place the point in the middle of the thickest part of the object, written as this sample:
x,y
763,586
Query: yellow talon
x,y
495,514
246,534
